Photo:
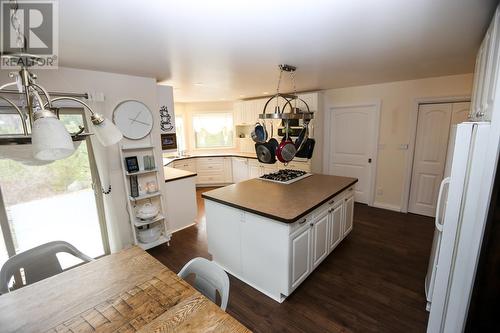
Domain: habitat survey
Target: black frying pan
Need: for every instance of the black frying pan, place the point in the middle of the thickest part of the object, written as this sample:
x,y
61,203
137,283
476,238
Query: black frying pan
x,y
307,149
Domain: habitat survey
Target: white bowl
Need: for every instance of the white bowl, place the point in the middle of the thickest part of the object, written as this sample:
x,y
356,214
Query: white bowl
x,y
148,234
147,212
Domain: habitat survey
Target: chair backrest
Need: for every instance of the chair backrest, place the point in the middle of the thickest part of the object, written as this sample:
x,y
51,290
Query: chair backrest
x,y
209,278
38,263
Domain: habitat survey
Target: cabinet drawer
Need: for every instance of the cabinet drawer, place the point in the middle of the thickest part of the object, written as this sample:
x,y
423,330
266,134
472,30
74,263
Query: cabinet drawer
x,y
302,222
210,160
181,164
213,167
334,202
210,178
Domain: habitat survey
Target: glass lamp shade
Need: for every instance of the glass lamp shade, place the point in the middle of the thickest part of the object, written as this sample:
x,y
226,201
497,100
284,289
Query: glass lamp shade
x,y
107,133
50,140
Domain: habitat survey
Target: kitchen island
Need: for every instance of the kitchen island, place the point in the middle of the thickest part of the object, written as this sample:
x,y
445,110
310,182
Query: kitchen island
x,y
272,236
180,203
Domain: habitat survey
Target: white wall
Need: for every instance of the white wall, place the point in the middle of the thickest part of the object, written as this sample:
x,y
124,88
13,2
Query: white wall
x,y
116,88
398,101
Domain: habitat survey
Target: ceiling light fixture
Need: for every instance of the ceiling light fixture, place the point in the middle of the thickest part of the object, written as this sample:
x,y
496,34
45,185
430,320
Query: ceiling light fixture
x,y
49,137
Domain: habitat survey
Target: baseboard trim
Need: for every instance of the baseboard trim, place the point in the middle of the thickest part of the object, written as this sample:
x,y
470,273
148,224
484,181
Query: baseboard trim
x,y
387,206
185,227
278,299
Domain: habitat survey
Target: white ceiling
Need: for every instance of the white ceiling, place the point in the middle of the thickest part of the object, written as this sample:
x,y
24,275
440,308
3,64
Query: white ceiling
x,y
224,50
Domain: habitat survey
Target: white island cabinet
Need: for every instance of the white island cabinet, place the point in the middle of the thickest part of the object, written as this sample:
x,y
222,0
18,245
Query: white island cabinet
x,y
252,240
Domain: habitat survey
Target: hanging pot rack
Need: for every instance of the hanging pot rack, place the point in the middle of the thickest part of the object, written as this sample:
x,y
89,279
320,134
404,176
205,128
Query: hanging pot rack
x,y
294,112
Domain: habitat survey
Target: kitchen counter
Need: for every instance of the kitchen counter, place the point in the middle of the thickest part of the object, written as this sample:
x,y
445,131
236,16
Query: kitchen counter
x,y
282,202
168,160
172,174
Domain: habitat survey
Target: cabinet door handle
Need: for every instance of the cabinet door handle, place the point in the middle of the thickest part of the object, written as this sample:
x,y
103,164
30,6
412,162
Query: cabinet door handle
x,y
303,221
331,202
311,224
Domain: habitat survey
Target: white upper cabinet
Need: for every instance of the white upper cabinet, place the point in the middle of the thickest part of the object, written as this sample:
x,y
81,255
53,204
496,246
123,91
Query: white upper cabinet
x,y
484,79
247,112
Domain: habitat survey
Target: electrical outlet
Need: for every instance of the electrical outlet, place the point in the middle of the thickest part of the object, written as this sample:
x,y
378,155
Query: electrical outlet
x,y
403,146
380,191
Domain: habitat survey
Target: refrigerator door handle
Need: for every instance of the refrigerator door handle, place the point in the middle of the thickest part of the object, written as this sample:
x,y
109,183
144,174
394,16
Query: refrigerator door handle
x,y
439,226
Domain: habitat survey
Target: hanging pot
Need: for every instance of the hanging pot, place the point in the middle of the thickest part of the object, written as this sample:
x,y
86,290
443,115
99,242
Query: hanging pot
x,y
307,149
259,133
303,136
266,152
286,150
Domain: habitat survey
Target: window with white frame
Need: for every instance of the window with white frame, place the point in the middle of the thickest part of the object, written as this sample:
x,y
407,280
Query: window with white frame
x,y
213,130
179,130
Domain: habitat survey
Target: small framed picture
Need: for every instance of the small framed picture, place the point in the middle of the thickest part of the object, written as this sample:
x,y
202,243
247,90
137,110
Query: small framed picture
x,y
168,141
132,164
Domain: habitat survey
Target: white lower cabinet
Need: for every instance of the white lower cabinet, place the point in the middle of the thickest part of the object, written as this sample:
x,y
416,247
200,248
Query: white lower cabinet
x,y
301,255
185,164
210,170
271,256
228,170
348,214
224,170
254,169
335,225
240,169
320,238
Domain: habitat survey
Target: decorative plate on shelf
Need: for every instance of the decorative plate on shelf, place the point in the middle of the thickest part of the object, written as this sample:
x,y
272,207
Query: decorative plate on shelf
x,y
134,119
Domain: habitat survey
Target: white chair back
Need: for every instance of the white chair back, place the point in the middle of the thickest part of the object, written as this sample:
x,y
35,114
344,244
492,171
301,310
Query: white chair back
x,y
209,278
38,263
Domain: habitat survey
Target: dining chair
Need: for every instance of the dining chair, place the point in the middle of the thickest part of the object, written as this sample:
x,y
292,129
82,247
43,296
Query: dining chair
x,y
209,279
37,263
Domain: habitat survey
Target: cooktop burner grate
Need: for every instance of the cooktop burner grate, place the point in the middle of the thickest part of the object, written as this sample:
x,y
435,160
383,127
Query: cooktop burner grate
x,y
285,176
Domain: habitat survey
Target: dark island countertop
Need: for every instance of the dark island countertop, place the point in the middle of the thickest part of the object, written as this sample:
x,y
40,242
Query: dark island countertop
x,y
172,174
282,202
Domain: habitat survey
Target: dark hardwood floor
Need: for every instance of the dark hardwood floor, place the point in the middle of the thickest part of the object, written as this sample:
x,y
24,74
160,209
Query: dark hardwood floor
x,y
372,282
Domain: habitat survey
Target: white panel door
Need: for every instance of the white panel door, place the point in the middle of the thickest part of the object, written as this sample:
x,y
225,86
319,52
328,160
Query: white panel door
x,y
460,112
352,140
433,129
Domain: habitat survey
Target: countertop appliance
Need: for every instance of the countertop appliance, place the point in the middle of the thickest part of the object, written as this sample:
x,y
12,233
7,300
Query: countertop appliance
x,y
457,226
285,176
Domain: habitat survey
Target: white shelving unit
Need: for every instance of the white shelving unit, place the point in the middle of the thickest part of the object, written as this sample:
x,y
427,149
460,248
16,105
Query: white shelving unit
x,y
156,198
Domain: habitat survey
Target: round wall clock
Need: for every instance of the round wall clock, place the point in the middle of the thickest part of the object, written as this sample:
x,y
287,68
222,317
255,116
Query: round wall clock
x,y
134,119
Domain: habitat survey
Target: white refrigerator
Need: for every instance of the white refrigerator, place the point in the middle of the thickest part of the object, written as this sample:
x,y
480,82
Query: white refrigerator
x,y
456,239
430,278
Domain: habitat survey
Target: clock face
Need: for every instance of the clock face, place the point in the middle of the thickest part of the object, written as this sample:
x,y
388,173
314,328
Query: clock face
x,y
134,119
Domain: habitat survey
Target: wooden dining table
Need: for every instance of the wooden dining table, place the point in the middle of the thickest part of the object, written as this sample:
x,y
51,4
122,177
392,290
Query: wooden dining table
x,y
129,291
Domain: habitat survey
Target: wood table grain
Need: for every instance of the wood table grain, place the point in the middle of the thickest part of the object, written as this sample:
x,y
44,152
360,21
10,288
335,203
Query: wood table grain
x,y
129,291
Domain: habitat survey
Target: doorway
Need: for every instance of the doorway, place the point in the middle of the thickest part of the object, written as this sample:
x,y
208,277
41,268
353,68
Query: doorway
x,y
55,201
432,154
352,146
